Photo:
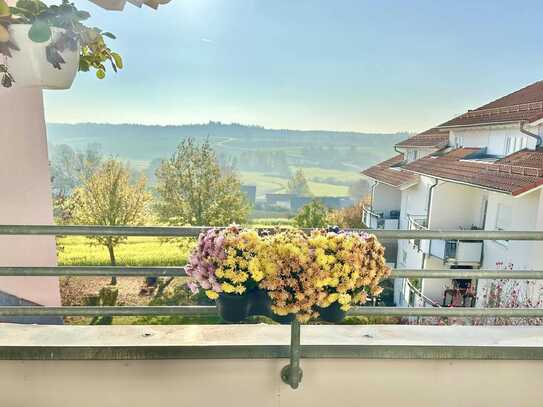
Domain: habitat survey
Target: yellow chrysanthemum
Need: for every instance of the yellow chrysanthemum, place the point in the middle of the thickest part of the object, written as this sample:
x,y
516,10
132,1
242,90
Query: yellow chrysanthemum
x,y
213,295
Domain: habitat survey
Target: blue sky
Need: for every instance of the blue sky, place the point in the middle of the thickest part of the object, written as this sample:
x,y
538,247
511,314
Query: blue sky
x,y
302,64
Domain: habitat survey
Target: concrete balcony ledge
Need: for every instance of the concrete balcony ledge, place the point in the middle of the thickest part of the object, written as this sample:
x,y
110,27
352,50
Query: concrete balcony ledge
x,y
240,365
39,342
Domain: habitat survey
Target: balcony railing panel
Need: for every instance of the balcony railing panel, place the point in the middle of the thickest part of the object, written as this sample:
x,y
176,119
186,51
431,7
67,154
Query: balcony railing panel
x,y
417,234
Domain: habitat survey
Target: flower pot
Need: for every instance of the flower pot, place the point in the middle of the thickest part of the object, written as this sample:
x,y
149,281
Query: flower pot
x,y
283,319
332,313
113,5
29,65
259,303
232,307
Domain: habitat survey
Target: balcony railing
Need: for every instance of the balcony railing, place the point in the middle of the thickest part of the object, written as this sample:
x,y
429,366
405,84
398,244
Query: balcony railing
x,y
291,373
380,220
417,222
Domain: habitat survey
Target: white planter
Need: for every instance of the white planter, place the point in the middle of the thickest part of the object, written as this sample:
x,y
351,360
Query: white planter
x,y
113,5
29,65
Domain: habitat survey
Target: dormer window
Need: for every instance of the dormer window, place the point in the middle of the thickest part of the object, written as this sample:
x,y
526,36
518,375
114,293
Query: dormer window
x,y
458,141
514,144
411,155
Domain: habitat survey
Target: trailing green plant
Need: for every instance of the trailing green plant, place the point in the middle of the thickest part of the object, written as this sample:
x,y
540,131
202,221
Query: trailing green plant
x,y
94,51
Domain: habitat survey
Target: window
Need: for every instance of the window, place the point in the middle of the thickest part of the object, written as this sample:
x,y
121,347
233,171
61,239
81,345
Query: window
x,y
458,141
412,155
507,145
503,220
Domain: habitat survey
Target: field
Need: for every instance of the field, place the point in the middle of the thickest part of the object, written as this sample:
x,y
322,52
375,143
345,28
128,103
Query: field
x,y
136,251
267,184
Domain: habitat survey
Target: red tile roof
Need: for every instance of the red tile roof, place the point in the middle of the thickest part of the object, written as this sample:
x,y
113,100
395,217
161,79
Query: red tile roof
x,y
514,174
525,104
430,138
386,173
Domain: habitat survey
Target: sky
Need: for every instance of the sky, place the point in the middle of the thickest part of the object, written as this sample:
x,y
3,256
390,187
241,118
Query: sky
x,y
353,65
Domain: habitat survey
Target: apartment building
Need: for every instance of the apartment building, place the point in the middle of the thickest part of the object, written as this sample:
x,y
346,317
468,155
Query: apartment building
x,y
480,170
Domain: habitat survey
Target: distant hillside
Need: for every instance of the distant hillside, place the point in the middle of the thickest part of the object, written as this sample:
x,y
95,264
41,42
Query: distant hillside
x,y
235,142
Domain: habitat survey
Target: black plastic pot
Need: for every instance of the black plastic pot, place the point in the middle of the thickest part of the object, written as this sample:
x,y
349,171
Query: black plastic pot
x,y
283,319
233,307
332,313
259,303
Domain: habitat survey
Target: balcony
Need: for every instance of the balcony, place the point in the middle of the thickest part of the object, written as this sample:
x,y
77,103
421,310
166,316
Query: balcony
x,y
458,252
417,222
389,220
245,364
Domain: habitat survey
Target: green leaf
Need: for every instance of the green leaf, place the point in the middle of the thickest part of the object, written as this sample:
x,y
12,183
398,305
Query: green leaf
x,y
118,60
109,35
4,9
84,65
40,31
100,74
82,15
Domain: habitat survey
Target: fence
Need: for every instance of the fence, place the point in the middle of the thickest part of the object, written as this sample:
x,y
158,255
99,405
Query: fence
x,y
292,372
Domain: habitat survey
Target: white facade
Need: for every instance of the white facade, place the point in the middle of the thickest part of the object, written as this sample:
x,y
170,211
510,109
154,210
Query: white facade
x,y
498,140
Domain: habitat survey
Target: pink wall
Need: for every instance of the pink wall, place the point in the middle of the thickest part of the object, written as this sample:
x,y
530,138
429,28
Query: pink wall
x,y
25,193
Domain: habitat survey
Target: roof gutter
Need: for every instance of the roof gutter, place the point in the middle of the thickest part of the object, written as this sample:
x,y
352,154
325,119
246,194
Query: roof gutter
x,y
529,133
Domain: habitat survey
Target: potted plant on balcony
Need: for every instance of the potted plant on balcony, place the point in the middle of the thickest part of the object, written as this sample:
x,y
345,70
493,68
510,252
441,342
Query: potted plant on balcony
x,y
44,46
351,266
289,278
223,264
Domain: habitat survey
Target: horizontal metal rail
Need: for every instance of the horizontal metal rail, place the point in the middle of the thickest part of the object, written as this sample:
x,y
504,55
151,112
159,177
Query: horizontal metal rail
x,y
120,271
91,271
196,311
188,310
179,231
471,274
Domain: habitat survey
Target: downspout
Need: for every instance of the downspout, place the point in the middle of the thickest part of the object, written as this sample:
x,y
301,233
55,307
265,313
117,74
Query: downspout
x,y
529,133
372,194
430,195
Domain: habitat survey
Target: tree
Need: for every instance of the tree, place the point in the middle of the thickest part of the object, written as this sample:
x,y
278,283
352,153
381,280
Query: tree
x,y
70,168
350,218
109,197
193,190
312,215
298,184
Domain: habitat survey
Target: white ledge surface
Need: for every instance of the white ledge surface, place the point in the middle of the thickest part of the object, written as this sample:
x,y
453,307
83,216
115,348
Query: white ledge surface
x,y
261,341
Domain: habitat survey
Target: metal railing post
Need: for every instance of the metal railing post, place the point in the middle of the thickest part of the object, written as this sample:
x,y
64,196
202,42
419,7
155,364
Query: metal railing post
x,y
292,374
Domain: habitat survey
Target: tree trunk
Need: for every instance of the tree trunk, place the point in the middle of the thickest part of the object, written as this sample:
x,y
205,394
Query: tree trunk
x,y
111,250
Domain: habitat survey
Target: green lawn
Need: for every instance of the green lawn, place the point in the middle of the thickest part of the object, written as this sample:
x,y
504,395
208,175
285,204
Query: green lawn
x,y
135,251
322,189
312,172
268,184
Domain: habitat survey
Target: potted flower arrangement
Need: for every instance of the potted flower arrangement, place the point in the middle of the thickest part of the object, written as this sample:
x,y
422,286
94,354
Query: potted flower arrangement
x,y
44,46
223,264
352,265
289,277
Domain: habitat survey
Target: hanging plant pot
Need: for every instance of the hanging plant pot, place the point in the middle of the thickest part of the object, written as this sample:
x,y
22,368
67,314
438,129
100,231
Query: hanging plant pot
x,y
233,307
30,66
259,303
113,5
332,313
